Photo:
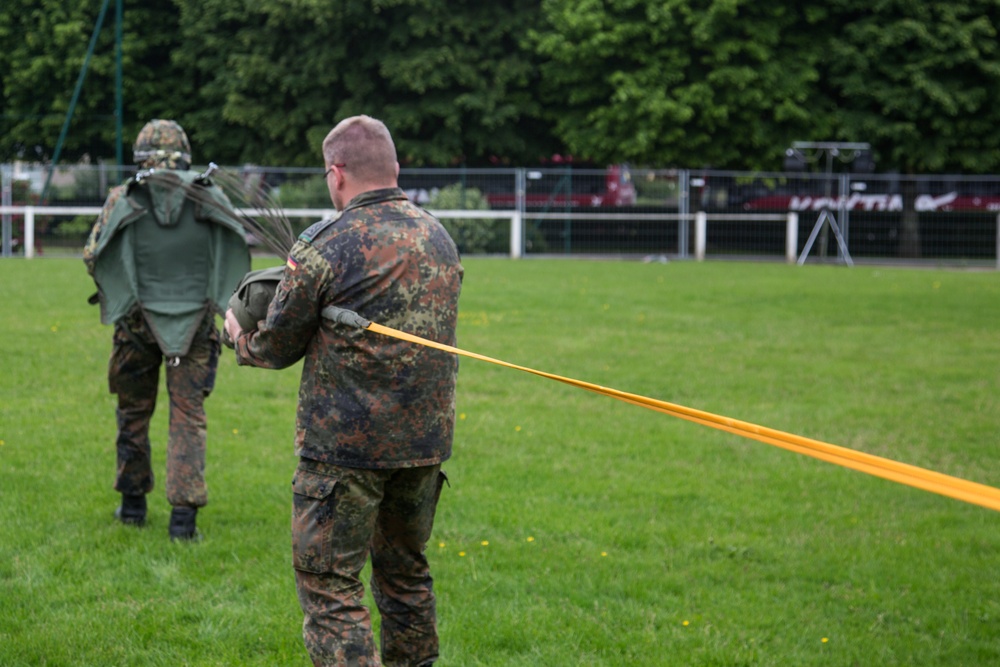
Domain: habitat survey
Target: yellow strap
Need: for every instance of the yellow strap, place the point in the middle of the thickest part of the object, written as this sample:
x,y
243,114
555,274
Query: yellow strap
x,y
921,478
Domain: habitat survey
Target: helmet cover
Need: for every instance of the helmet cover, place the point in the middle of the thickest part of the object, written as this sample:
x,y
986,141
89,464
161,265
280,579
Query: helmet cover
x,y
162,143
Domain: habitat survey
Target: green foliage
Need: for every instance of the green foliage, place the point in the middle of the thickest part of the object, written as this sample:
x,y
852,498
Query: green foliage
x,y
81,184
733,83
919,81
668,84
724,83
21,193
311,192
656,188
471,235
593,532
43,46
447,78
462,66
78,227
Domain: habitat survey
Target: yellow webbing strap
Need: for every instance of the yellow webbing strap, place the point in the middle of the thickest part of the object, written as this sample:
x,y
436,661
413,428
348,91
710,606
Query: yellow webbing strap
x,y
921,478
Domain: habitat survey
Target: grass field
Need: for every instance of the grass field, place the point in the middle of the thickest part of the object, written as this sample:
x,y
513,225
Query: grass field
x,y
578,530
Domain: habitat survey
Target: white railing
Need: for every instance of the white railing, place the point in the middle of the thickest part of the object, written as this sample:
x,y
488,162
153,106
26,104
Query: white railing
x,y
701,221
791,230
30,212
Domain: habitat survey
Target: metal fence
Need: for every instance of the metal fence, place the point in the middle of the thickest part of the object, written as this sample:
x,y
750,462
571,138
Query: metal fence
x,y
568,210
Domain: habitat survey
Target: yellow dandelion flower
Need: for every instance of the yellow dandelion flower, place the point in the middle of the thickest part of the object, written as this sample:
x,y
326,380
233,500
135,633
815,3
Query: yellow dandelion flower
x,y
517,428
604,553
530,538
235,431
461,554
824,640
686,623
462,416
441,545
485,543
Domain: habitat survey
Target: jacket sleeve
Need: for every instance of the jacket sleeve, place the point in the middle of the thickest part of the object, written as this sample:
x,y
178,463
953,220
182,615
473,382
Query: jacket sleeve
x,y
90,249
293,316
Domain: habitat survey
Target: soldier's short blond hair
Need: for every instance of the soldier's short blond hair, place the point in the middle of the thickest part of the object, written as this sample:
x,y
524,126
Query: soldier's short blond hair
x,y
364,145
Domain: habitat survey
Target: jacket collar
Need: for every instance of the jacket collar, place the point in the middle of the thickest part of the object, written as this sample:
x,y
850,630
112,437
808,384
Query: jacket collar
x,y
375,197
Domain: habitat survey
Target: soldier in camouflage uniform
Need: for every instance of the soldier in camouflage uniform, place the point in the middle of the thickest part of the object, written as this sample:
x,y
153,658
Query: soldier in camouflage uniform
x,y
142,336
375,415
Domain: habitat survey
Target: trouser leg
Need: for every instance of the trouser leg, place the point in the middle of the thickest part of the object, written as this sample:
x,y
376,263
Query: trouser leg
x,y
401,581
189,383
333,516
133,374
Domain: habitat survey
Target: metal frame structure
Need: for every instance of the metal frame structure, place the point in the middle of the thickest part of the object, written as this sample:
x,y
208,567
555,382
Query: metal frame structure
x,y
811,152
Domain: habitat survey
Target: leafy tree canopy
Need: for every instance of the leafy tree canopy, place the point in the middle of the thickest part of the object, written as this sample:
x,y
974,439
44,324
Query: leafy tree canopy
x,y
720,83
918,80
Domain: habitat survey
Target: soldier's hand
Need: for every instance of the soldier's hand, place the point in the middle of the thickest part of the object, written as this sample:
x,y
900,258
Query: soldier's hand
x,y
231,330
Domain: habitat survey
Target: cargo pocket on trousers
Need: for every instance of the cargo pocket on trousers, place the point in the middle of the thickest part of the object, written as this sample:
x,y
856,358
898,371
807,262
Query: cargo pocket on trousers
x,y
312,521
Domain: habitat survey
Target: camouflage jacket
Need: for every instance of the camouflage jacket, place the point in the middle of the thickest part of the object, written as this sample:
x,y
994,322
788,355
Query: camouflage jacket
x,y
97,232
368,400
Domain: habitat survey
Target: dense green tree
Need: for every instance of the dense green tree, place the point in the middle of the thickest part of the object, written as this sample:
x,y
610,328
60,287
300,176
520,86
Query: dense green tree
x,y
730,83
263,81
457,85
919,81
722,83
727,83
43,45
263,77
446,76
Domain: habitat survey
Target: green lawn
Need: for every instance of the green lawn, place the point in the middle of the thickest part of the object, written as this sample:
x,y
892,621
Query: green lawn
x,y
577,530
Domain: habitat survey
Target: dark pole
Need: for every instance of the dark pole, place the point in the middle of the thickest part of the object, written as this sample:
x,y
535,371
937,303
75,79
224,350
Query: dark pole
x,y
72,103
118,89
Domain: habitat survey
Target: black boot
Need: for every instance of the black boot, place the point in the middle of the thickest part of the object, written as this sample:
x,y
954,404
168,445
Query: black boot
x,y
132,510
182,523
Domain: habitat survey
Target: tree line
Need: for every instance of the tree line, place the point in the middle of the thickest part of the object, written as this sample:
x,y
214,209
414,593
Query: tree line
x,y
726,84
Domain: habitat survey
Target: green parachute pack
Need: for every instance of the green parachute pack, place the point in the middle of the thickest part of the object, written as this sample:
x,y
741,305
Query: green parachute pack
x,y
252,297
174,247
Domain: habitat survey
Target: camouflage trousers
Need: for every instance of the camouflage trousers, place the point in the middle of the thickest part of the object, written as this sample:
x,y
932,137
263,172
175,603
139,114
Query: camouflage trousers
x,y
340,516
134,375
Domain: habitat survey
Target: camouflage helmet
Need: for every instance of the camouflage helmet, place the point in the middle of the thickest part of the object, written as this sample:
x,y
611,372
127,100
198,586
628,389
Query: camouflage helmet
x,y
162,143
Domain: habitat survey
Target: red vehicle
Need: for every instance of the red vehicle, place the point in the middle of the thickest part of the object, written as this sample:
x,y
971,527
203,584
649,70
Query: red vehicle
x,y
565,187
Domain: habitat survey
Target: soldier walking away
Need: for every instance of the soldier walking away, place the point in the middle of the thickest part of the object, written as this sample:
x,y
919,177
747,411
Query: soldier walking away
x,y
376,416
166,252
